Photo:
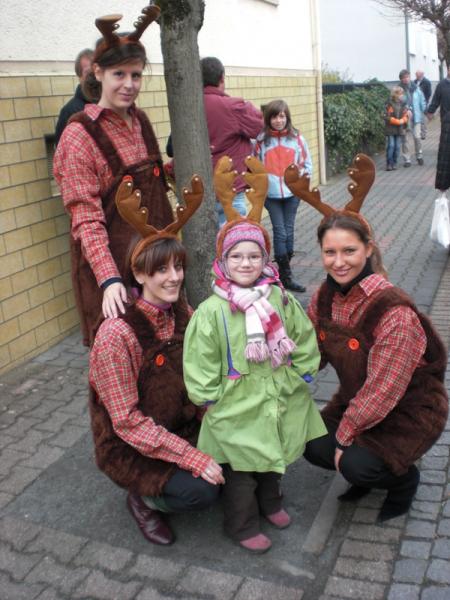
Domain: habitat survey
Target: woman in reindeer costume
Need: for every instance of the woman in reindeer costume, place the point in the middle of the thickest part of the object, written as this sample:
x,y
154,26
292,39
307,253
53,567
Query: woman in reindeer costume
x,y
143,424
249,354
391,405
100,145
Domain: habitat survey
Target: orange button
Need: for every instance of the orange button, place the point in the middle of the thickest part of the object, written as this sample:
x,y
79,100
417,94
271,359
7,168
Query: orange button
x,y
156,171
127,178
353,344
159,360
322,335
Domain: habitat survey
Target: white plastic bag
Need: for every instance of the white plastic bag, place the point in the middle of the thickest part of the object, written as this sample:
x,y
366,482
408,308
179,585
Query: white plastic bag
x,y
440,225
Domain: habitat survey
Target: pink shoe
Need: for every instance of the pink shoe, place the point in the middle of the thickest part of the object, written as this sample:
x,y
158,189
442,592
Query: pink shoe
x,y
258,543
280,519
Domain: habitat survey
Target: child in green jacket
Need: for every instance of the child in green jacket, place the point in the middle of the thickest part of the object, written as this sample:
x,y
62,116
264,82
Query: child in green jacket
x,y
249,353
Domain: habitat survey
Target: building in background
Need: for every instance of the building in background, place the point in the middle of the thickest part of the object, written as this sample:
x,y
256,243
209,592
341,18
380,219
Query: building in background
x,y
270,49
363,40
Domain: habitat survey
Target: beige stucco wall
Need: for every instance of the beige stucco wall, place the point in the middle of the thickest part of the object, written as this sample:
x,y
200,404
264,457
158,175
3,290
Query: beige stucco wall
x,y
36,300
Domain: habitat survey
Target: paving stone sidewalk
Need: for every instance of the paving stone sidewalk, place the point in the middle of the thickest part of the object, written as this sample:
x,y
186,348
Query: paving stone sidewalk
x,y
64,529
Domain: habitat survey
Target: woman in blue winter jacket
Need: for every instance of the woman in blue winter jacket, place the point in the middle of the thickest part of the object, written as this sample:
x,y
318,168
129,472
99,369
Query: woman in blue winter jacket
x,y
278,146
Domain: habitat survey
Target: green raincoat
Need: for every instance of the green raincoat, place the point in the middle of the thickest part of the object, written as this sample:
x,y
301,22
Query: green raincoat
x,y
262,417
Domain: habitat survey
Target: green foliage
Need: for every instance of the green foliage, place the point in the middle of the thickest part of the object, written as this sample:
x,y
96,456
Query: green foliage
x,y
334,76
353,123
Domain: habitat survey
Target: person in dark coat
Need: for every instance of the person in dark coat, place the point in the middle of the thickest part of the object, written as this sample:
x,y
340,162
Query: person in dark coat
x,y
442,181
425,85
441,100
392,404
83,63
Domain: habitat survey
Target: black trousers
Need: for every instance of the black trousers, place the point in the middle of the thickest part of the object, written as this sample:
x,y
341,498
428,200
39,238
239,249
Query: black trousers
x,y
360,466
184,493
246,495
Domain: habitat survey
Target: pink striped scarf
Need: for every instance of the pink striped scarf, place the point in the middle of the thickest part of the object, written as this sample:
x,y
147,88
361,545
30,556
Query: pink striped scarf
x,y
266,336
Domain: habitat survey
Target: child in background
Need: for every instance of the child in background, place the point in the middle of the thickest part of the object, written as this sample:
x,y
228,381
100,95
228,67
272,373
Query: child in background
x,y
396,119
278,146
249,352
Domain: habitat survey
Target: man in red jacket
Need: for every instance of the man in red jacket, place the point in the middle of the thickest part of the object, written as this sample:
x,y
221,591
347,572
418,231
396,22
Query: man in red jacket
x,y
232,123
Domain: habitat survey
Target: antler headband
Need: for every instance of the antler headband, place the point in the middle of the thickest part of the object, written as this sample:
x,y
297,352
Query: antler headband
x,y
128,204
362,172
257,180
108,24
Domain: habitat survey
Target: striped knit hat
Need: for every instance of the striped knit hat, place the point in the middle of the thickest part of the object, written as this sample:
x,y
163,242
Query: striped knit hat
x,y
243,230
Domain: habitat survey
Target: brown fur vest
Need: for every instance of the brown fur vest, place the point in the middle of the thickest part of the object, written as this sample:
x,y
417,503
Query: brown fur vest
x,y
148,176
162,396
419,418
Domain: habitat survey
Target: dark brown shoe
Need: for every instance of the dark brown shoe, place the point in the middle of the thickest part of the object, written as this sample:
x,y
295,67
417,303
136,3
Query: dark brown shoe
x,y
150,522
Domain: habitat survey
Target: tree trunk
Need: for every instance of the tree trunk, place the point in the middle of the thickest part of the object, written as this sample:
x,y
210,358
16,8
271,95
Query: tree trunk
x,y
180,22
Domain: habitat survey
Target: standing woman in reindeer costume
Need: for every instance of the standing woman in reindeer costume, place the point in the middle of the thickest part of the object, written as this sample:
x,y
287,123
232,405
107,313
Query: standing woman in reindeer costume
x,y
100,145
249,354
143,424
391,405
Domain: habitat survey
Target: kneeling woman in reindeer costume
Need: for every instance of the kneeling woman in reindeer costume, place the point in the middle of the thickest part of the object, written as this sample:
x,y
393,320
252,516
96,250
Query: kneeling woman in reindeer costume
x,y
249,352
391,405
143,424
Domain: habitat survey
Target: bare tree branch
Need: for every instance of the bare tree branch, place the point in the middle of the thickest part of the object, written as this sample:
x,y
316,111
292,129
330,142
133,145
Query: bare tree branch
x,y
436,12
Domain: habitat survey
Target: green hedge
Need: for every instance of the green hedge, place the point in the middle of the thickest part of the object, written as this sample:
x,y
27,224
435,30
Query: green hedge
x,y
353,123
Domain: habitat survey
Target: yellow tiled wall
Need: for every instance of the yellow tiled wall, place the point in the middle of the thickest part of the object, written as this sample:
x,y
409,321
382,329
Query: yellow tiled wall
x,y
36,301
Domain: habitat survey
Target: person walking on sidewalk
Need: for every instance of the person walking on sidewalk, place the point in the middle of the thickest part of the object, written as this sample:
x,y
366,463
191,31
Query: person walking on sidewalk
x,y
425,86
441,100
416,104
396,119
249,352
143,424
99,146
278,146
391,405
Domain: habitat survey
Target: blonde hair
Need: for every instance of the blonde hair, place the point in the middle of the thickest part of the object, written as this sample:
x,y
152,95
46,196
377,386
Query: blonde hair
x,y
397,92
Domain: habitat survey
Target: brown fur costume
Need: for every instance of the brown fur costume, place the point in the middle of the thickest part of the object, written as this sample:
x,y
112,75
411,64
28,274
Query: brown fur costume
x,y
148,176
417,421
162,396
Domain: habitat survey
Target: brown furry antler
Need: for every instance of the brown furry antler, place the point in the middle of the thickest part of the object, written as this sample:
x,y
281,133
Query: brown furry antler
x,y
107,25
224,176
258,181
128,204
149,14
299,186
192,200
362,171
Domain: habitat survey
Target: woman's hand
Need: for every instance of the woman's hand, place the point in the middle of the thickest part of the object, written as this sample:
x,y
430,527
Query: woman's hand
x,y
113,300
337,458
213,473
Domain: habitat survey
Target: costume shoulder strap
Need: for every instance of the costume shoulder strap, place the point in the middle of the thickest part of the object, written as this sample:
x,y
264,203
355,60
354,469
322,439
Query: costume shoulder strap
x,y
100,138
149,136
324,302
140,325
382,302
181,310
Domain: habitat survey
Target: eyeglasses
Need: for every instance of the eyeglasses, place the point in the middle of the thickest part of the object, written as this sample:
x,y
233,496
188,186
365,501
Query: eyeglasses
x,y
237,259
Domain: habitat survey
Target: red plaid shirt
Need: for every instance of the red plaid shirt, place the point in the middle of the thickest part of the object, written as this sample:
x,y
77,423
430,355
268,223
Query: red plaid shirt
x,y
115,361
399,345
83,175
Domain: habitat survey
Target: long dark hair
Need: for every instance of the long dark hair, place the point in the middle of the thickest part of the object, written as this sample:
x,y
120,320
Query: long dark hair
x,y
272,109
116,55
356,226
155,255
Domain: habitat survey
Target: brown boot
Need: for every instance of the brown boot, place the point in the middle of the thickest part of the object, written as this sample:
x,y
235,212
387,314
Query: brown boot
x,y
150,522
